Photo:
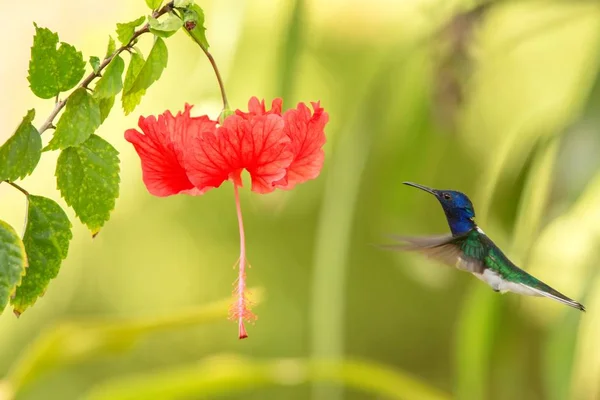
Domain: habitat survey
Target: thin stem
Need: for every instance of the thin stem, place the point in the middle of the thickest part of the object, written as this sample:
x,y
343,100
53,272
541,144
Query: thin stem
x,y
213,63
240,308
26,193
219,78
19,188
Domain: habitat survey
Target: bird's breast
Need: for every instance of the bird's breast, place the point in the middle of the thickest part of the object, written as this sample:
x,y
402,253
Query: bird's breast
x,y
502,285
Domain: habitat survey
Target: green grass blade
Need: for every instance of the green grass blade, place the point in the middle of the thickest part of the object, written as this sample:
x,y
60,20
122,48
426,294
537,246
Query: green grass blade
x,y
291,49
221,375
74,341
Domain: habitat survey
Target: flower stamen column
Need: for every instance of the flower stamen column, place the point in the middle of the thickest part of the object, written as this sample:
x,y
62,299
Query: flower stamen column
x,y
240,310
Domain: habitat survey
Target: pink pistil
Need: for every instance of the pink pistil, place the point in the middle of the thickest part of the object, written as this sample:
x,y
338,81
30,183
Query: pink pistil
x,y
240,309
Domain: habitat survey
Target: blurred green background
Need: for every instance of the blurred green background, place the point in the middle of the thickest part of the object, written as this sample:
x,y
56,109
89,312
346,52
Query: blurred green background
x,y
499,100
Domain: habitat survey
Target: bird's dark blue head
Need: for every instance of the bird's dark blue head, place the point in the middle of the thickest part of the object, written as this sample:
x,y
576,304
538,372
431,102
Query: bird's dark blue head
x,y
457,207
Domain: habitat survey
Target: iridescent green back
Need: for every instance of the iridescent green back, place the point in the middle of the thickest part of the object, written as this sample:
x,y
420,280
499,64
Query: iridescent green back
x,y
477,245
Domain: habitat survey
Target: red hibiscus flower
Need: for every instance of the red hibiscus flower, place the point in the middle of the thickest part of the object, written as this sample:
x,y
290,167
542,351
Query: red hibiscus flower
x,y
190,155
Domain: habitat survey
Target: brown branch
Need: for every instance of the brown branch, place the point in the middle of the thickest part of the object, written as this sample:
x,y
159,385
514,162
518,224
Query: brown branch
x,y
49,123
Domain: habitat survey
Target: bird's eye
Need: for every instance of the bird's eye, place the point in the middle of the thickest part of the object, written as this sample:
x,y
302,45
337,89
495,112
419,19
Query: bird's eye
x,y
447,196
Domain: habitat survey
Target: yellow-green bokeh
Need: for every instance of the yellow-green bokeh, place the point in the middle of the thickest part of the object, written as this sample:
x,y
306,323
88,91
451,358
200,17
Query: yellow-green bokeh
x,y
523,142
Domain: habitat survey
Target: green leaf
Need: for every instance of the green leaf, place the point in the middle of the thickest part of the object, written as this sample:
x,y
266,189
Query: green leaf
x,y
153,4
46,240
111,82
153,67
126,30
130,100
80,119
182,3
105,107
20,154
193,19
137,83
165,28
111,48
13,262
135,66
95,63
52,71
88,180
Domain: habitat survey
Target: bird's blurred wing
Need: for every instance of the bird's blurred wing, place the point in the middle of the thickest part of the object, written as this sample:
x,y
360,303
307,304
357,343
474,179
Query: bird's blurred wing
x,y
460,251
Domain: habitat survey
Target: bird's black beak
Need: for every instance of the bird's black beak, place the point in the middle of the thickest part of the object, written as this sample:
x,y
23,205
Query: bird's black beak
x,y
425,188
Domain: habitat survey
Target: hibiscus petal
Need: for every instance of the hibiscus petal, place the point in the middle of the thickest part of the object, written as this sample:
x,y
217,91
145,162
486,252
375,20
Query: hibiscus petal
x,y
307,136
271,153
258,145
256,107
161,149
206,164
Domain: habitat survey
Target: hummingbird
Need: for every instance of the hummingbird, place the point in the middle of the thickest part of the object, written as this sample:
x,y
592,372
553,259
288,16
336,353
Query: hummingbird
x,y
469,249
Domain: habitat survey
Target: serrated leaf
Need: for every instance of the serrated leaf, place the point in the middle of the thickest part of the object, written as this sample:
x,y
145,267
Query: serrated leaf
x,y
193,20
95,63
166,28
136,83
129,99
88,179
126,30
153,4
13,262
111,48
105,107
135,66
46,241
20,154
111,82
53,70
80,119
153,67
